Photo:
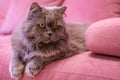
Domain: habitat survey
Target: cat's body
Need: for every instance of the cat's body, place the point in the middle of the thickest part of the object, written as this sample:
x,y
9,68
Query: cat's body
x,y
42,38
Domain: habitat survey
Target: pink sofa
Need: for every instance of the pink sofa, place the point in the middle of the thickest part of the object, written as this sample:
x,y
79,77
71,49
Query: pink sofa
x,y
102,62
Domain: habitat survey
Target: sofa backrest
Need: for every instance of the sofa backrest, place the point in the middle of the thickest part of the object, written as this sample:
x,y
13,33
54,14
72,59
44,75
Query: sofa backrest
x,y
78,11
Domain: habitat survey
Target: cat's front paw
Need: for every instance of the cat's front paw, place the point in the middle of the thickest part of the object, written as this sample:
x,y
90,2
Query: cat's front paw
x,y
16,70
32,69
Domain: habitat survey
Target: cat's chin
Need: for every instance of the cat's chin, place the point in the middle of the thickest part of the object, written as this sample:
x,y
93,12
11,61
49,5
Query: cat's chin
x,y
47,42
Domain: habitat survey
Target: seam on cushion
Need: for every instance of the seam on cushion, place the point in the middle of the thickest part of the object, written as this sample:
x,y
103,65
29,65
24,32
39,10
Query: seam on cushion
x,y
81,74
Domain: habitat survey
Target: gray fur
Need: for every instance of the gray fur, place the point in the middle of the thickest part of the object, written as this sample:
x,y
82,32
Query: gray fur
x,y
36,46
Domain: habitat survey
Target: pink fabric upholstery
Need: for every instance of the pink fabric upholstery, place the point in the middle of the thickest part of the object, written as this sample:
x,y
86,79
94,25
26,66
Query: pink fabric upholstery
x,y
104,37
84,66
4,4
17,12
89,11
78,11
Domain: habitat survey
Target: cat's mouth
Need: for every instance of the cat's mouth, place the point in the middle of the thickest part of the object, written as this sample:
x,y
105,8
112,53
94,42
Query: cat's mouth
x,y
47,40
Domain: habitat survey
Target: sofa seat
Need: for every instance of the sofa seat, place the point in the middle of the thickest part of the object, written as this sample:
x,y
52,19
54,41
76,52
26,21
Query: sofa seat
x,y
84,66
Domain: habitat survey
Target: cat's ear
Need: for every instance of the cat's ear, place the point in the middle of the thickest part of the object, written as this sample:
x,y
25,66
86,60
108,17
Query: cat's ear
x,y
62,10
35,5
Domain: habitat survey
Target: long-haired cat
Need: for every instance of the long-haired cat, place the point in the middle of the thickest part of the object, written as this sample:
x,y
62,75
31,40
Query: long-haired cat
x,y
42,38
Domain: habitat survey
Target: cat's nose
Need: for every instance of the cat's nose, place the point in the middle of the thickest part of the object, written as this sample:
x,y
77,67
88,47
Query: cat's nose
x,y
50,34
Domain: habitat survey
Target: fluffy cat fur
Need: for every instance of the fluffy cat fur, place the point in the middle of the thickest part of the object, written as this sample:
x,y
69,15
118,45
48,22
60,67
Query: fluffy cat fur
x,y
42,38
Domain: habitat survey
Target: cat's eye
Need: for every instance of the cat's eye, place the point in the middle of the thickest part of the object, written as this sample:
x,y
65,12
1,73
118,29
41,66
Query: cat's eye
x,y
41,25
56,26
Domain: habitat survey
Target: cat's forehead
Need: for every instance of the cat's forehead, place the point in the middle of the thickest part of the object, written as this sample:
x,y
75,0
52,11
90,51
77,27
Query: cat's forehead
x,y
50,13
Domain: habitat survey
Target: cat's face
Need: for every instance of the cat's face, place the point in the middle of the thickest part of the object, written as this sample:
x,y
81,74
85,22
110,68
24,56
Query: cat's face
x,y
45,24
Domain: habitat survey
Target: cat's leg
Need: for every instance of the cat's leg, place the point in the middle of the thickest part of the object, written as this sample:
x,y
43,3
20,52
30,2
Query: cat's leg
x,y
34,66
16,68
46,58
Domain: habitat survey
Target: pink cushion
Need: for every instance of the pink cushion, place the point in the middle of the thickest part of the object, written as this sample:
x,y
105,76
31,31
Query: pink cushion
x,y
4,5
84,66
89,11
17,12
104,37
1,19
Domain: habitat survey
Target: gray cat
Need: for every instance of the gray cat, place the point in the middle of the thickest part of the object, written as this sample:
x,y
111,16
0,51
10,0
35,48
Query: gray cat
x,y
42,38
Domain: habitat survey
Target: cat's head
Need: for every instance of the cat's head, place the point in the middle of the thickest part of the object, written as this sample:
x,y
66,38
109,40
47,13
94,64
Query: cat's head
x,y
45,24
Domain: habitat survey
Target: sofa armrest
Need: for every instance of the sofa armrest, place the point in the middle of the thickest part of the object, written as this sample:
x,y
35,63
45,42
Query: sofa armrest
x,y
104,37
